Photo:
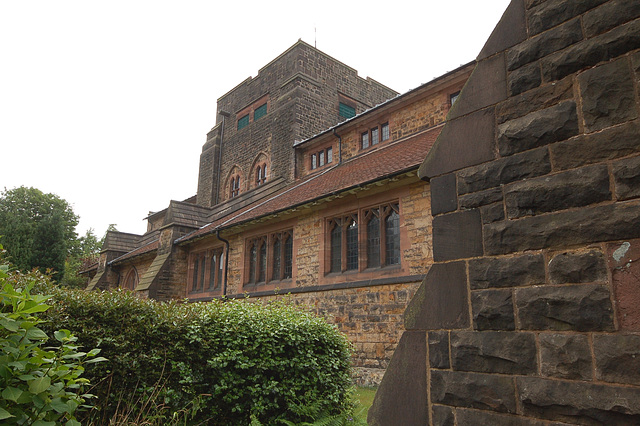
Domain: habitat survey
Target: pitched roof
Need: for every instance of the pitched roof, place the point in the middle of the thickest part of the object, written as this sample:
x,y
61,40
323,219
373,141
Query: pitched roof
x,y
388,160
147,248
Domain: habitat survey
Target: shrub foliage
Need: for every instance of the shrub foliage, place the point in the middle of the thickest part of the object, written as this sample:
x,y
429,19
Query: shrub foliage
x,y
231,361
40,385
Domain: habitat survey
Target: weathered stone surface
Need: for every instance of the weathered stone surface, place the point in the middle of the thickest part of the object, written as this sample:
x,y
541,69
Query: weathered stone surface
x,y
407,371
578,267
625,271
439,349
470,417
583,307
544,44
492,213
442,301
540,98
499,272
444,197
492,310
539,128
526,78
494,352
443,416
626,175
472,390
505,170
457,235
590,52
579,402
609,15
574,188
511,30
451,150
615,142
480,198
617,358
553,12
607,95
562,229
486,86
565,356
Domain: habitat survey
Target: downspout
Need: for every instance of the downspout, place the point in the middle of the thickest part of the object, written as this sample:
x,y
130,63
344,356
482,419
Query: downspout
x,y
224,115
226,262
339,145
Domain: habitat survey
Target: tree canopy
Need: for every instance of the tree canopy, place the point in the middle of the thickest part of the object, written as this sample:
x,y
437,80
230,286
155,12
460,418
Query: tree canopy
x,y
37,229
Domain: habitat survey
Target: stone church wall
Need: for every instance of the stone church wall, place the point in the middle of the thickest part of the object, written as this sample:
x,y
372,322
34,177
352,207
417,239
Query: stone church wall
x,y
530,313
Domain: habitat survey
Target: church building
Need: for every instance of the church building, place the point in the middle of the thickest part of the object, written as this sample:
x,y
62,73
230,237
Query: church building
x,y
307,187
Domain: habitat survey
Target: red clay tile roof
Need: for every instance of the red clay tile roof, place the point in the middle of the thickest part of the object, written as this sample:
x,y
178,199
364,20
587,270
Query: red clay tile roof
x,y
152,246
394,158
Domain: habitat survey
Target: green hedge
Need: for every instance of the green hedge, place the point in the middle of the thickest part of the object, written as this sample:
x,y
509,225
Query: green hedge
x,y
222,362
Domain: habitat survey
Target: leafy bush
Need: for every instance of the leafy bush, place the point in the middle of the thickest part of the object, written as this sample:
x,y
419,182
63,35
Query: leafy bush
x,y
230,361
40,386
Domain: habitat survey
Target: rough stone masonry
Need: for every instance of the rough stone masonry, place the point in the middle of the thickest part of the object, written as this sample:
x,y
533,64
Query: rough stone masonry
x,y
530,314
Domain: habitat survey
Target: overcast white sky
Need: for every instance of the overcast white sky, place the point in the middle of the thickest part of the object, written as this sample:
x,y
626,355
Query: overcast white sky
x,y
107,103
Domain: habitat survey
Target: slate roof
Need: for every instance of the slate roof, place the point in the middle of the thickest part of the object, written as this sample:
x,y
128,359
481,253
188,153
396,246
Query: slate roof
x,y
152,246
388,160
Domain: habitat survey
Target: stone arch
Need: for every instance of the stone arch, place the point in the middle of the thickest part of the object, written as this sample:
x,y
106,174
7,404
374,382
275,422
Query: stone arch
x,y
131,279
234,183
259,173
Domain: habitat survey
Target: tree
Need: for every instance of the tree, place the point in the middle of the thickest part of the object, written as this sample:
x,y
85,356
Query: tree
x,y
37,229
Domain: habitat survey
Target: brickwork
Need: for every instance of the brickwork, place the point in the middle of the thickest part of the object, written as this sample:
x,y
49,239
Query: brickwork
x,y
529,312
302,88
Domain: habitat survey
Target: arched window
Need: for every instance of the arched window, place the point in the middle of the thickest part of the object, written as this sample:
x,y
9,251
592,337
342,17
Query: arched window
x,y
261,174
131,280
373,240
235,186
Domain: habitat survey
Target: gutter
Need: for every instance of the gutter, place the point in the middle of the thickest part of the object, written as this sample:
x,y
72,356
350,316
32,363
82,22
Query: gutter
x,y
226,262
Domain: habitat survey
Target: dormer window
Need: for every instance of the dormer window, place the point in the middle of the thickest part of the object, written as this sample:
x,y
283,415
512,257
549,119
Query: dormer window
x,y
319,159
374,136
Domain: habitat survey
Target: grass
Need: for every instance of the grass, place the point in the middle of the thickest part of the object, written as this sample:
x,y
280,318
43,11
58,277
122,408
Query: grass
x,y
364,396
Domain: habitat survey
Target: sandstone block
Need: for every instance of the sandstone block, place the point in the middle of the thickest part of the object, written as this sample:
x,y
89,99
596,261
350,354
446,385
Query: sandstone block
x,y
590,52
607,95
578,267
473,390
609,15
443,416
478,417
539,128
615,142
536,99
494,352
439,349
574,188
626,174
457,235
553,12
515,271
441,301
486,86
505,170
443,194
492,310
579,402
481,198
617,358
492,213
585,307
544,44
565,356
526,78
561,229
